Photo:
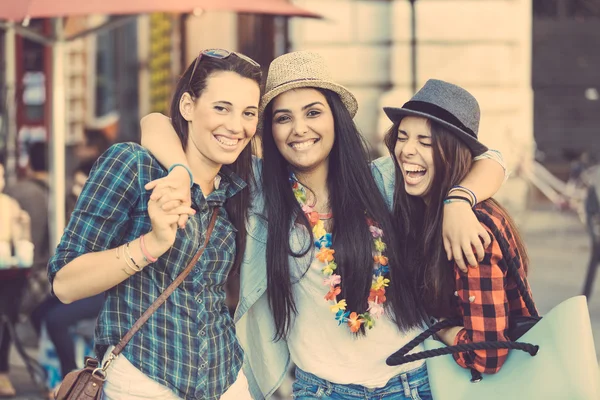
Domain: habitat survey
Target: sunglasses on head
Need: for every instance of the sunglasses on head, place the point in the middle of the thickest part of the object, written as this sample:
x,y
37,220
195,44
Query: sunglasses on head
x,y
220,54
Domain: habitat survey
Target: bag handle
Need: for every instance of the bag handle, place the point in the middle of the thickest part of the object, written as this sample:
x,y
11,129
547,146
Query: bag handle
x,y
401,357
163,297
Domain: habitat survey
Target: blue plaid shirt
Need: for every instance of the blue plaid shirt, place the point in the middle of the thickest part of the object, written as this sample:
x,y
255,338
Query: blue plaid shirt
x,y
189,343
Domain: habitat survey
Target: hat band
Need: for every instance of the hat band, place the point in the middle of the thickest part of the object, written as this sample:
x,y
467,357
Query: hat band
x,y
438,112
294,80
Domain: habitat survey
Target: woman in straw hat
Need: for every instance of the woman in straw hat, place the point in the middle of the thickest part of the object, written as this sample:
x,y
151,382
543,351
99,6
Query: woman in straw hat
x,y
433,140
317,273
124,244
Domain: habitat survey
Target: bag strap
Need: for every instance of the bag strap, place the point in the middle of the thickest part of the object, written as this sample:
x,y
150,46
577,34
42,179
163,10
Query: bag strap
x,y
163,297
401,357
512,268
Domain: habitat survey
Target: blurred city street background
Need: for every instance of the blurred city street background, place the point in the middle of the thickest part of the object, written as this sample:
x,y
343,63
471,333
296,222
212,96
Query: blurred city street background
x,y
75,80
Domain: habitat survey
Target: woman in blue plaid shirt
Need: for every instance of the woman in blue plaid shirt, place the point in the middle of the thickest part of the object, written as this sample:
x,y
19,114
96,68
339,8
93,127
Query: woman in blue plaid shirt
x,y
122,242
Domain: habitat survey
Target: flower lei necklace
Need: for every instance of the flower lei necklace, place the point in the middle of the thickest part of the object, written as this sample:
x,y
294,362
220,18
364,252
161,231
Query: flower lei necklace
x,y
325,254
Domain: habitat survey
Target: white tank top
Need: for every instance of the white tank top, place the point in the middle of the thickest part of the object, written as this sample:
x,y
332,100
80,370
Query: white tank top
x,y
319,346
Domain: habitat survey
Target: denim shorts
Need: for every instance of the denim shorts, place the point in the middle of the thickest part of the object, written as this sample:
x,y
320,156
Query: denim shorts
x,y
411,385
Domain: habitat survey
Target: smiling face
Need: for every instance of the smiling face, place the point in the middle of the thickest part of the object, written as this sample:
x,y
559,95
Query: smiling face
x,y
303,128
415,155
223,120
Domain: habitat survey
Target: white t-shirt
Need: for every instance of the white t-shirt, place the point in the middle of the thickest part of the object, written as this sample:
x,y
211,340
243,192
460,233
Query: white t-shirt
x,y
319,346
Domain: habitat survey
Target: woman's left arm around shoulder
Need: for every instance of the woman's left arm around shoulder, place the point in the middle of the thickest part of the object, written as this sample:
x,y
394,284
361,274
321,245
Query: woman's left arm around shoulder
x,y
463,235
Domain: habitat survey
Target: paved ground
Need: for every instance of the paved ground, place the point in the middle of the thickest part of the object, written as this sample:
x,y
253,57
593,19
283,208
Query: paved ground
x,y
559,250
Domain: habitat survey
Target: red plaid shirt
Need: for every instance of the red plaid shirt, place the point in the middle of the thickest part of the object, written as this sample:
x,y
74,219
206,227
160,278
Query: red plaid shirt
x,y
487,298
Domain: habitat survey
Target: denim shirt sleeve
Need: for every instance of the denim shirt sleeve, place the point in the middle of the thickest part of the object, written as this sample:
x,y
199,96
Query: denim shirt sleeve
x,y
257,202
384,173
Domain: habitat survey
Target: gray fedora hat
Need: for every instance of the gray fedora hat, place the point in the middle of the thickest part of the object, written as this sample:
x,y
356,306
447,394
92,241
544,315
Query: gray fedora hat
x,y
450,106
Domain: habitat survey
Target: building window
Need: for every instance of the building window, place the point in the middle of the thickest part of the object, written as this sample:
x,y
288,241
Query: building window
x,y
106,74
545,8
582,8
560,9
3,98
115,83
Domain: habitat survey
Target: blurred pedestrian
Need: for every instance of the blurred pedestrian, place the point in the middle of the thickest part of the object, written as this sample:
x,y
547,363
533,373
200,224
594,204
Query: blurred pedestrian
x,y
80,176
33,194
14,228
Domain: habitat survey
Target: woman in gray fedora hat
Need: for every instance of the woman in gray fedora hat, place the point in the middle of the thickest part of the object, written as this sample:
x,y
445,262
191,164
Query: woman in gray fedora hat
x,y
433,140
318,270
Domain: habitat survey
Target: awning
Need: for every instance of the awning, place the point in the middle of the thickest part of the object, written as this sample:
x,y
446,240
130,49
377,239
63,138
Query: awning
x,y
18,10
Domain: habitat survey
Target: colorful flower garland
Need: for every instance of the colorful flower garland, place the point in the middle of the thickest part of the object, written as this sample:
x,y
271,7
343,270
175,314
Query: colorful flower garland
x,y
325,254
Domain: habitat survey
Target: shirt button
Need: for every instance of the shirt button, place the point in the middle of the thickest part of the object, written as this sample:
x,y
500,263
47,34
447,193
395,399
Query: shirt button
x,y
203,333
203,366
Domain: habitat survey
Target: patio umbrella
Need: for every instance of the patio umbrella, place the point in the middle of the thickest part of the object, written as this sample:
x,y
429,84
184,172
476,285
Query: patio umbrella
x,y
22,9
12,11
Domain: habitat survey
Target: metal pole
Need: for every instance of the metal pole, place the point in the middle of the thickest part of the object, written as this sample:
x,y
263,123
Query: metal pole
x,y
10,58
413,46
57,137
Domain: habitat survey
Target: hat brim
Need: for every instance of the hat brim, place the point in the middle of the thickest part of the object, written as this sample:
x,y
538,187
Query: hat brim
x,y
347,98
477,148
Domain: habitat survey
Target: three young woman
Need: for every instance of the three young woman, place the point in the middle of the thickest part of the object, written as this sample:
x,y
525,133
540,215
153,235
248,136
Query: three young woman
x,y
434,139
323,282
121,242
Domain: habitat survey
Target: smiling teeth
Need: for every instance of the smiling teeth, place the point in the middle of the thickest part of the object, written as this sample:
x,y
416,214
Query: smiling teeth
x,y
303,145
226,141
413,168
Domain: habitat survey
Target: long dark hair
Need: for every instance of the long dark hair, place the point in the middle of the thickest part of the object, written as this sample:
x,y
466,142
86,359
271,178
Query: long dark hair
x,y
420,226
237,206
353,197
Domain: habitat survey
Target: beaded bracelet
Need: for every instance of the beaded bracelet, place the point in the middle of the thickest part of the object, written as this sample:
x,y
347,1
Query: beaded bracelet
x,y
187,169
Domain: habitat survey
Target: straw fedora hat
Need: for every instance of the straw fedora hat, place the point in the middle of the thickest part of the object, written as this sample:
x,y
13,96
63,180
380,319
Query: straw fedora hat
x,y
450,106
303,69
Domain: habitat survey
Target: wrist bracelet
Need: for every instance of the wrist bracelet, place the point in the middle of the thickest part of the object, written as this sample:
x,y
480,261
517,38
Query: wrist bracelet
x,y
187,169
147,256
127,272
137,267
462,200
454,192
455,197
467,190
